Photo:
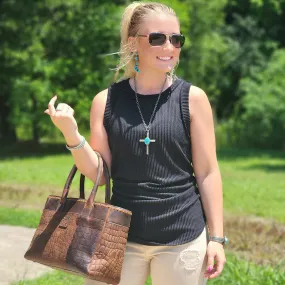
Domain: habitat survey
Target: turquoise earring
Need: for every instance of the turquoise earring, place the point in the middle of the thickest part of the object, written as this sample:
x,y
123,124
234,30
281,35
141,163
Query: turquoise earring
x,y
136,67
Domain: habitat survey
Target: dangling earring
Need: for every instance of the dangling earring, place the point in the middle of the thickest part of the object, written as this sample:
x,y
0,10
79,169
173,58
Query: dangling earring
x,y
136,67
172,72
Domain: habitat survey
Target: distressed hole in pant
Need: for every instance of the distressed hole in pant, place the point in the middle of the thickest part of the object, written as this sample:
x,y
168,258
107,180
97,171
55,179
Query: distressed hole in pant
x,y
190,259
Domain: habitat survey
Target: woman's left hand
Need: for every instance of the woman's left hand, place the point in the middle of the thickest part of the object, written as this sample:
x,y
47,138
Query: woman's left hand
x,y
216,260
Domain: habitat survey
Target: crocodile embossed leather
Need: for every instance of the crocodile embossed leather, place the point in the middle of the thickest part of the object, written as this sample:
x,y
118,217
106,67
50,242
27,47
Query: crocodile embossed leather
x,y
80,236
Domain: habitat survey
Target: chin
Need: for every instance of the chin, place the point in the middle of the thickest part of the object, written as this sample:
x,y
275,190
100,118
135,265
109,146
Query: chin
x,y
164,69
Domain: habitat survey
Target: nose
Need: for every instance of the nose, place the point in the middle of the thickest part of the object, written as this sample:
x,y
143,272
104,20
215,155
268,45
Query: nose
x,y
167,44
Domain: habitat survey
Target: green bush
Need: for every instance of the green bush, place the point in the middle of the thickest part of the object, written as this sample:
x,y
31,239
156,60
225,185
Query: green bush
x,y
259,119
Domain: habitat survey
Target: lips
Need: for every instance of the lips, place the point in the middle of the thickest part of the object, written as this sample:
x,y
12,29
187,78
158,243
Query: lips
x,y
164,58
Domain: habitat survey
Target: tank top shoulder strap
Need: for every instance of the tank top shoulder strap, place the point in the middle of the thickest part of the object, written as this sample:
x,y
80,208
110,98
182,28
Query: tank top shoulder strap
x,y
184,103
114,91
107,112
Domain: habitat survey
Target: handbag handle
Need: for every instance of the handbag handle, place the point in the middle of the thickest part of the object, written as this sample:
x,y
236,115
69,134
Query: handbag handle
x,y
91,198
81,188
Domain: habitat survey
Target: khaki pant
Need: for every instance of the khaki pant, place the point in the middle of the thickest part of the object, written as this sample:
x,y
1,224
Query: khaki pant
x,y
168,265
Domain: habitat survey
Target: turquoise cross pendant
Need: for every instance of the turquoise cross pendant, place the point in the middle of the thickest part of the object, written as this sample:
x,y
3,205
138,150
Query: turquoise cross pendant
x,y
147,142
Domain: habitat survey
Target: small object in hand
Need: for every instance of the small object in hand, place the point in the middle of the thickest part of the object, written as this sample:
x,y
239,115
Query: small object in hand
x,y
210,268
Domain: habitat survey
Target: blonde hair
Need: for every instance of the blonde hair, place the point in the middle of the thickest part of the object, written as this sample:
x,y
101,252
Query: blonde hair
x,y
132,18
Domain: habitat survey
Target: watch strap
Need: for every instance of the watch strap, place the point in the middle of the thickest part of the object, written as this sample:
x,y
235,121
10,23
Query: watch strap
x,y
223,240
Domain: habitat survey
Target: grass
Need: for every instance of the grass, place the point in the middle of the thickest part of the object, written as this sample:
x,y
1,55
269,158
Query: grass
x,y
253,181
265,245
27,182
236,272
20,217
54,278
50,170
58,278
241,272
252,185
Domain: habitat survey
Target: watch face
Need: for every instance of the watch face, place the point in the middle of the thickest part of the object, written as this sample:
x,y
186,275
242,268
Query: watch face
x,y
226,240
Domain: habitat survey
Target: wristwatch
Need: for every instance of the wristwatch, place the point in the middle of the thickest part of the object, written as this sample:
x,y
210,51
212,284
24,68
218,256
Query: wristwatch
x,y
223,240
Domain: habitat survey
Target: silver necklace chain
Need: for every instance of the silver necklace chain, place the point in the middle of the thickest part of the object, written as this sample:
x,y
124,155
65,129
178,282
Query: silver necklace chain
x,y
147,127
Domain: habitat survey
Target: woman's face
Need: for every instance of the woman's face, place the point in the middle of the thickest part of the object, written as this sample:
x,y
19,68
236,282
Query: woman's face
x,y
150,56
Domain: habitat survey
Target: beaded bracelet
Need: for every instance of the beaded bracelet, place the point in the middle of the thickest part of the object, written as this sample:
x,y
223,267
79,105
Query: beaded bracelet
x,y
81,144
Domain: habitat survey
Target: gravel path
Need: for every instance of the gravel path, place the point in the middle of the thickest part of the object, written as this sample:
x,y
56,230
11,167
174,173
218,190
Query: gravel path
x,y
14,242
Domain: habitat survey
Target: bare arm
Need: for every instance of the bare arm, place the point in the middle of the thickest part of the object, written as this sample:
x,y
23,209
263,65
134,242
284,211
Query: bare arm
x,y
85,158
205,163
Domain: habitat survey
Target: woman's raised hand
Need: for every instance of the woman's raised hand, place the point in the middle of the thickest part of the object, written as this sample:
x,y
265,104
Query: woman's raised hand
x,y
62,117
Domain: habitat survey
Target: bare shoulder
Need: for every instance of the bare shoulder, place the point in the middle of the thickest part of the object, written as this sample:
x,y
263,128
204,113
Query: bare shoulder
x,y
99,104
98,108
199,104
197,95
100,99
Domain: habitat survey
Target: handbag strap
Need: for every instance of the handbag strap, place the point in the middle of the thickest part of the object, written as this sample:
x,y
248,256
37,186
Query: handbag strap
x,y
102,169
81,188
92,196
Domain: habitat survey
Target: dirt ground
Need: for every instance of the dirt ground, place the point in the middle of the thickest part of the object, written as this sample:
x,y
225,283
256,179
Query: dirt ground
x,y
257,239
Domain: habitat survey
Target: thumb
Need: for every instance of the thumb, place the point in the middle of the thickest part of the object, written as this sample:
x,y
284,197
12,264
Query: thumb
x,y
46,111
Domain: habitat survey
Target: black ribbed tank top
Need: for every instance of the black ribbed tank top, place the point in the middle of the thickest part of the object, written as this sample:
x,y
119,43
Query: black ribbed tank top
x,y
160,188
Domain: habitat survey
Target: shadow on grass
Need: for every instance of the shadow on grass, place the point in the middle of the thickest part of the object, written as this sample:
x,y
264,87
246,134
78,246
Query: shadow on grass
x,y
26,149
234,153
266,167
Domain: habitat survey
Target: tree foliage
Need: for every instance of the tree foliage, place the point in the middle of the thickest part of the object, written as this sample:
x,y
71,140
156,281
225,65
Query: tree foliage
x,y
54,47
61,46
262,124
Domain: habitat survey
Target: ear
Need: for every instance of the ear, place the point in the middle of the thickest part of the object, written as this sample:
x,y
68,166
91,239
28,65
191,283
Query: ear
x,y
133,44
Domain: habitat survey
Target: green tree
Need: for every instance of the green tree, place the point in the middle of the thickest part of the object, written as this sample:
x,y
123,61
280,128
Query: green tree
x,y
55,47
263,119
261,124
248,48
203,60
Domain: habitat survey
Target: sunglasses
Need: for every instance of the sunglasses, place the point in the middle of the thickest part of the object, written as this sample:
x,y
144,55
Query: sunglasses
x,y
159,39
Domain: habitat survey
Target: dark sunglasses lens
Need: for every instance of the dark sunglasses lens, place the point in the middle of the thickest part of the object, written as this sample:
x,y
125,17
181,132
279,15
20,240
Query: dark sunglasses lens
x,y
178,40
157,39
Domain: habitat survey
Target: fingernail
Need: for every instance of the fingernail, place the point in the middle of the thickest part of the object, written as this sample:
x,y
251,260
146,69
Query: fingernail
x,y
210,268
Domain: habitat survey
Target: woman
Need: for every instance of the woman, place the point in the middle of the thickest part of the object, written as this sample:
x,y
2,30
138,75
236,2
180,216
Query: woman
x,y
155,132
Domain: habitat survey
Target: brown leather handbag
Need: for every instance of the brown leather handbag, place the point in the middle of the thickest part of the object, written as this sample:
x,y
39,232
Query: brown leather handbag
x,y
82,237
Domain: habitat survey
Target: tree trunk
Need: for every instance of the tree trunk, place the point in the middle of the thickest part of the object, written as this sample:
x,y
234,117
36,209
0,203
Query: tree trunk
x,y
35,127
7,130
